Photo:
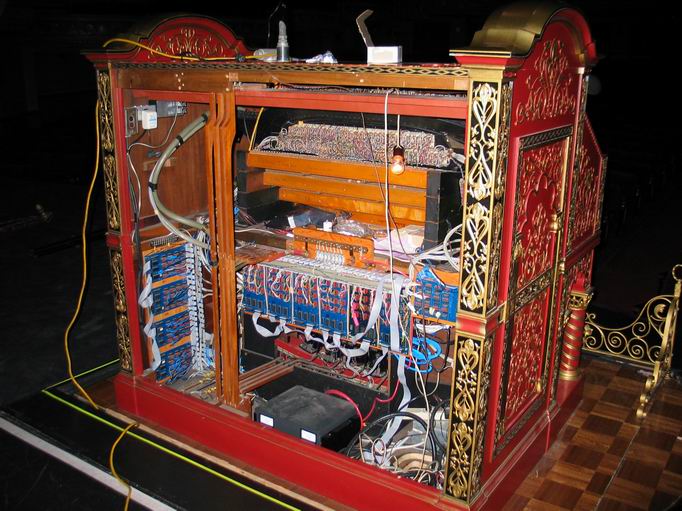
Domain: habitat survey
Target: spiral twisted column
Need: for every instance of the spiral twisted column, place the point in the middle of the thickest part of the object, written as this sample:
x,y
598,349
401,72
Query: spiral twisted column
x,y
574,331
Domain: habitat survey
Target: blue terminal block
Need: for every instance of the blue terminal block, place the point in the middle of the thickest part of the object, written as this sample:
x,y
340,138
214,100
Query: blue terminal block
x,y
435,299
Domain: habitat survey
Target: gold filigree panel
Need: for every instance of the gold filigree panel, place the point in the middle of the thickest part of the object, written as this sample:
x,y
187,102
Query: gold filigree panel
x,y
479,201
540,167
540,180
548,85
106,116
188,42
586,185
111,192
468,417
498,194
122,326
585,212
107,145
527,351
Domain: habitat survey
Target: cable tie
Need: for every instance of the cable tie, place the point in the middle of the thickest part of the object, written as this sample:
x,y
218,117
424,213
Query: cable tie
x,y
152,186
180,140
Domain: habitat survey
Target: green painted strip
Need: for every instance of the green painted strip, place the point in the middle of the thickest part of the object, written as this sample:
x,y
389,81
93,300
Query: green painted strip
x,y
170,452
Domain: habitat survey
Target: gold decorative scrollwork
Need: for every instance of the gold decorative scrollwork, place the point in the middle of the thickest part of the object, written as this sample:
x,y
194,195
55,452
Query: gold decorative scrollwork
x,y
123,340
106,129
647,341
637,342
540,166
665,354
578,161
481,412
479,202
531,290
526,354
498,193
537,256
484,109
584,216
465,383
106,119
549,93
477,226
579,301
467,432
111,192
188,42
118,282
122,326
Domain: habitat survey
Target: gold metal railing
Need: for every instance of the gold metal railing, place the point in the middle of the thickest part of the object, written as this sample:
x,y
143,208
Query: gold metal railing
x,y
647,342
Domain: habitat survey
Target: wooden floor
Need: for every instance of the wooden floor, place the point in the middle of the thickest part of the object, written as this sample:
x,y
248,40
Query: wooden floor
x,y
607,459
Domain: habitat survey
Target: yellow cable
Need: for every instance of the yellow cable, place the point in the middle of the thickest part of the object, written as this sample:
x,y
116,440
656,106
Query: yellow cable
x,y
170,452
84,280
113,469
168,55
255,127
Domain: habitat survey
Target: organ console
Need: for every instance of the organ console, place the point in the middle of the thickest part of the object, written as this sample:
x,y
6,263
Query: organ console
x,y
261,244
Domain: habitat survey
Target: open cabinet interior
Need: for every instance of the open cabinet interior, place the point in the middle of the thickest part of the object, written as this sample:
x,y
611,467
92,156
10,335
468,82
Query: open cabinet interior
x,y
340,328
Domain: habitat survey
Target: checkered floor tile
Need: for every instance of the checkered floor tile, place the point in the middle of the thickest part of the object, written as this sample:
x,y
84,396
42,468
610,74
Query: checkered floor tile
x,y
605,458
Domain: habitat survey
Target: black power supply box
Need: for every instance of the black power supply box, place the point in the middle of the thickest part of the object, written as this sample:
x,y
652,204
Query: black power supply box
x,y
311,415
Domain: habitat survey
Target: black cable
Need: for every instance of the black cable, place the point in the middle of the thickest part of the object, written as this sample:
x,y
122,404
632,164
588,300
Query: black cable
x,y
447,354
392,415
279,4
432,419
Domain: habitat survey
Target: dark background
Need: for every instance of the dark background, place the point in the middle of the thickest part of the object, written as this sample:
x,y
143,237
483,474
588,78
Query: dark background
x,y
47,147
48,144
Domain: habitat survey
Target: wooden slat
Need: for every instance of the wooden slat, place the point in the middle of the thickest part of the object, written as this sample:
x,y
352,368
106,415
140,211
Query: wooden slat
x,y
442,107
208,80
334,202
378,220
370,191
330,168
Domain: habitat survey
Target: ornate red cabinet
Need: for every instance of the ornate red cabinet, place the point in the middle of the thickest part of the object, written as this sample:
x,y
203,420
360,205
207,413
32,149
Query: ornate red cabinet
x,y
533,184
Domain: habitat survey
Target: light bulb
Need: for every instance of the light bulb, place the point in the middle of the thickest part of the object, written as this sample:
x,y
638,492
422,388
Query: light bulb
x,y
398,160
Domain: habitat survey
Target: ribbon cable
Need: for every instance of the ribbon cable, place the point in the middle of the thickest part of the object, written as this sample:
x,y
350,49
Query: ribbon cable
x,y
264,332
146,300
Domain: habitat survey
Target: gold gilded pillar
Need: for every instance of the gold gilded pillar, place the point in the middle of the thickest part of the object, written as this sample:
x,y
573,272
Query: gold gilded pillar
x,y
485,184
113,209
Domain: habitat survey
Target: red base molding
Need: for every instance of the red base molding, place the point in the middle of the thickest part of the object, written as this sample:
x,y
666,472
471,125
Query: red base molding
x,y
324,472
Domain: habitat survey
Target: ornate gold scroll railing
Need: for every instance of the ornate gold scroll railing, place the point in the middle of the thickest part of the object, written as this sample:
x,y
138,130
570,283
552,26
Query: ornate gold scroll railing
x,y
648,341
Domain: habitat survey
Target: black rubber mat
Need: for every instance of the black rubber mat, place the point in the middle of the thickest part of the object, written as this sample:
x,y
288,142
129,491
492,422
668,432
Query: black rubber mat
x,y
170,478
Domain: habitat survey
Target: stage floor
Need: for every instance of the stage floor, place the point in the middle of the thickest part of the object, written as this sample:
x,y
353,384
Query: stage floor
x,y
604,457
607,459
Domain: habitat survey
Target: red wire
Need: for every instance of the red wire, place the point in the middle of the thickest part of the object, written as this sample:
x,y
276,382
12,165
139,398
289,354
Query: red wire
x,y
378,400
338,393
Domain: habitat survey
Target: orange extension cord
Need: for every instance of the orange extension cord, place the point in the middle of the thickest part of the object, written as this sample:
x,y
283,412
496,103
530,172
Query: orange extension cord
x,y
84,279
